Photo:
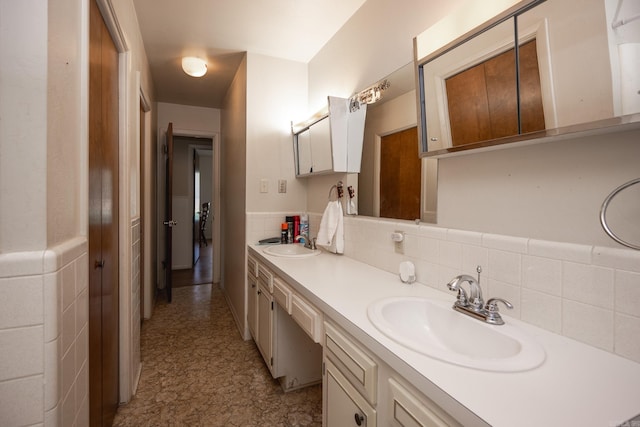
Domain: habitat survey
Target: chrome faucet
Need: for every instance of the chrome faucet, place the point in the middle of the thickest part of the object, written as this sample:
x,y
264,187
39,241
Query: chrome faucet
x,y
308,242
473,304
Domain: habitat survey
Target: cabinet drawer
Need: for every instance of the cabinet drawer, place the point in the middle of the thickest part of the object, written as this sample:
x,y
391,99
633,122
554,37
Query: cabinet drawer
x,y
282,294
265,276
361,369
252,266
343,403
308,317
409,410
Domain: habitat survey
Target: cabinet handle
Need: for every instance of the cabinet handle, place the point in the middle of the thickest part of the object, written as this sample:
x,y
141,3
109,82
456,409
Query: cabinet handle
x,y
359,418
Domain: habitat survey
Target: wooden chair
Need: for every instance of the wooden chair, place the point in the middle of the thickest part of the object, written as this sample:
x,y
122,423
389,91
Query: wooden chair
x,y
204,215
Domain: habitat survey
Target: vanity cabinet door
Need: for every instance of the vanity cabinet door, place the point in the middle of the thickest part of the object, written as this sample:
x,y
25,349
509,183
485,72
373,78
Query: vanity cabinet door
x,y
252,309
344,406
414,410
265,325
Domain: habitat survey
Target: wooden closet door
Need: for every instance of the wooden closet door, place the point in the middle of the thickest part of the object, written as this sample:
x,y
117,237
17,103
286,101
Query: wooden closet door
x,y
103,223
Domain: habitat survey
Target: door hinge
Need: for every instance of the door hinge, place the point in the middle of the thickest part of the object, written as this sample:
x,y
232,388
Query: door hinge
x,y
271,361
324,369
271,305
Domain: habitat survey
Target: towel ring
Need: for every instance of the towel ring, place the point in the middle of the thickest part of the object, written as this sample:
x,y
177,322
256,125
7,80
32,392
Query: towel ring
x,y
603,214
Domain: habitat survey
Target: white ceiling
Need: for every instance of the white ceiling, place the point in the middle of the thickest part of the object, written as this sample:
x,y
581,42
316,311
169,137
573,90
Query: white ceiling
x,y
221,30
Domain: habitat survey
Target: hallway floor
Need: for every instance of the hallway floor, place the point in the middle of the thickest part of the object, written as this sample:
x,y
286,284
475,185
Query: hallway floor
x,y
197,371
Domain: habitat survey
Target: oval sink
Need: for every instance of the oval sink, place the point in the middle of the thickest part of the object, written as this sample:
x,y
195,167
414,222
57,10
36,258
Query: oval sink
x,y
295,250
433,328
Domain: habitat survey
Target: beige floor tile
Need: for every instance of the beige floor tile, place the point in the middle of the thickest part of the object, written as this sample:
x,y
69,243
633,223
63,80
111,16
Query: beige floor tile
x,y
197,371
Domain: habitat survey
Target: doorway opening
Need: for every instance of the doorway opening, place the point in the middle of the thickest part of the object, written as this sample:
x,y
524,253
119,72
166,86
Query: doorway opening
x,y
193,203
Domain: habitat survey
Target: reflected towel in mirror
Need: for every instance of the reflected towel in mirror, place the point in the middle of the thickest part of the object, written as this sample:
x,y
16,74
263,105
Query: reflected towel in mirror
x,y
331,233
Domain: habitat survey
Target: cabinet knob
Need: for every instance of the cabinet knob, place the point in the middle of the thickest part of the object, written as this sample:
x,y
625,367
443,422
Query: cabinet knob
x,y
359,418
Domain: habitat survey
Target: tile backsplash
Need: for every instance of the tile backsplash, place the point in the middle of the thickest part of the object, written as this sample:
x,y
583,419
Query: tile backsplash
x,y
588,293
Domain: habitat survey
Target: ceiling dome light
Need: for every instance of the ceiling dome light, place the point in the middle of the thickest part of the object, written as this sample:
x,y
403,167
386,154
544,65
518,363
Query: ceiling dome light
x,y
193,66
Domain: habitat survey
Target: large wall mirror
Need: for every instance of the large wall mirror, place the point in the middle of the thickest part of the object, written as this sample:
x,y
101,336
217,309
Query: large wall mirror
x,y
575,66
394,182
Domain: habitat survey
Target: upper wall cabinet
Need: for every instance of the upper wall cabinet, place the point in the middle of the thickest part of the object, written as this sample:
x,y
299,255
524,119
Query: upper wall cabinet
x,y
330,141
536,69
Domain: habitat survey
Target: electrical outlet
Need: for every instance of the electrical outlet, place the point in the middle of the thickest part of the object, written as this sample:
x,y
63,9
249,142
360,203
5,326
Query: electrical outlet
x,y
282,186
264,186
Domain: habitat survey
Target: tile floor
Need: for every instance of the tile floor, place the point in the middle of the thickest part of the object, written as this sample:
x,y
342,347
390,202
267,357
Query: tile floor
x,y
197,371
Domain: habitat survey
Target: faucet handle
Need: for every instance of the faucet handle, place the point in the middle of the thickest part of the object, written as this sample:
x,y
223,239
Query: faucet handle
x,y
493,315
462,299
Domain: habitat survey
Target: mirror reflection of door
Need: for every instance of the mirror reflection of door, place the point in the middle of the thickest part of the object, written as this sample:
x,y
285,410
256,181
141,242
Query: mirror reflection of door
x,y
400,172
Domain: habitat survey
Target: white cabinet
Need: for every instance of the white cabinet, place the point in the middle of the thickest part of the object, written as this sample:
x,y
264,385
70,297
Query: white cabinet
x,y
357,386
344,406
252,296
350,381
331,140
412,409
252,305
265,325
290,354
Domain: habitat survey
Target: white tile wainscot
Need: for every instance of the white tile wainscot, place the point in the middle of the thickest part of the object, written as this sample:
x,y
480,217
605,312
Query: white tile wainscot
x,y
44,336
604,281
577,384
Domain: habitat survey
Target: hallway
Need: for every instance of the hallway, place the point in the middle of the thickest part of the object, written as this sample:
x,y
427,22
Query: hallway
x,y
197,371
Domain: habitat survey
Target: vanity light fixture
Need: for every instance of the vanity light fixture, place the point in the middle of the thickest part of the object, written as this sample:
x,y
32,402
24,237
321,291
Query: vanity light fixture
x,y
368,96
193,66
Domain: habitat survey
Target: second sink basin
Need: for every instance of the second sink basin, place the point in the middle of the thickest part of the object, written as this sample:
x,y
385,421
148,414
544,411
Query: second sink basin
x,y
433,328
295,250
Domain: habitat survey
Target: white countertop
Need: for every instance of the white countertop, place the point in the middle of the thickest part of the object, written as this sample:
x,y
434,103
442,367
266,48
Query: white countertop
x,y
577,385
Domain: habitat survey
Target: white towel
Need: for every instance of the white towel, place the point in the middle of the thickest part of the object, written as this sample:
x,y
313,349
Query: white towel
x,y
331,233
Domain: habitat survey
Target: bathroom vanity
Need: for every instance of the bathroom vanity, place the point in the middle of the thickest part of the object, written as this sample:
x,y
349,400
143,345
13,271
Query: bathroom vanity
x,y
371,379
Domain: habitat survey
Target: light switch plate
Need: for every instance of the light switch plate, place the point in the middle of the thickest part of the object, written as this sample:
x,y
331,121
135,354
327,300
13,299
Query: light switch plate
x,y
264,186
282,186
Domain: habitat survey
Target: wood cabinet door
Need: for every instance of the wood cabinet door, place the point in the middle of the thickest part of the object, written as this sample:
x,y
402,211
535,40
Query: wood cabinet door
x,y
483,100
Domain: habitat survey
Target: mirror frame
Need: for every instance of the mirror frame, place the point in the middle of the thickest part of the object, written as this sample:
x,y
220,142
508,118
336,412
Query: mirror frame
x,y
423,148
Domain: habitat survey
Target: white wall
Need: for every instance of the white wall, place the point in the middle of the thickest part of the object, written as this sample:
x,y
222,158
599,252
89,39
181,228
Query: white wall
x,y
233,195
376,41
276,95
23,128
550,191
